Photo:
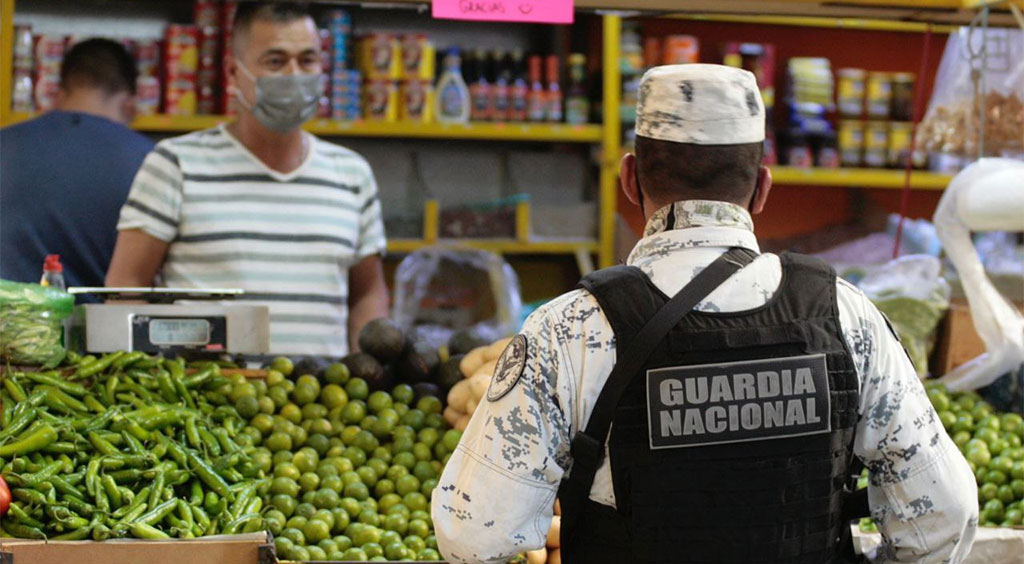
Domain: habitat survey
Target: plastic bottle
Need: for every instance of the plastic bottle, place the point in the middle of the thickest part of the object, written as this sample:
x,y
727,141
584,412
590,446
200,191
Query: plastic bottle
x,y
577,104
535,98
553,98
479,86
452,93
519,90
53,273
501,72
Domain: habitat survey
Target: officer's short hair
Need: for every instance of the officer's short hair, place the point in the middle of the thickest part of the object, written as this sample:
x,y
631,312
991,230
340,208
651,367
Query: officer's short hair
x,y
101,64
669,171
249,12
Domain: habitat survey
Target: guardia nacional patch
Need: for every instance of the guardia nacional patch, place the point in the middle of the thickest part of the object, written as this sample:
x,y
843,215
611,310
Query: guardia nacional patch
x,y
510,368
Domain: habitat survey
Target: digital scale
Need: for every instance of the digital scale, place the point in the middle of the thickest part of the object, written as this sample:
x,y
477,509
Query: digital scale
x,y
165,323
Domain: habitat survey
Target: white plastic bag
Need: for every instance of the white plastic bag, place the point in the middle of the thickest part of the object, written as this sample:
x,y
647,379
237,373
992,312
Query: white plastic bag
x,y
912,294
440,290
988,195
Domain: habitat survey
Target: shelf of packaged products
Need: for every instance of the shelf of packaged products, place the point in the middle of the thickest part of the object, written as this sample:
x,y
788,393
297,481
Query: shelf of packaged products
x,y
538,132
500,246
858,177
855,24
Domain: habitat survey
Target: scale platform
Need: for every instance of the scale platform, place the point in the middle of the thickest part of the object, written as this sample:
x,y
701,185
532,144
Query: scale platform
x,y
170,320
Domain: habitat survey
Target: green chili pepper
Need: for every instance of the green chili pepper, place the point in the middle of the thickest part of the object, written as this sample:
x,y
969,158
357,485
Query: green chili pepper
x,y
85,371
24,531
127,360
14,388
24,518
158,512
29,496
19,421
39,439
80,533
212,446
113,493
144,531
199,378
94,404
79,505
54,379
101,444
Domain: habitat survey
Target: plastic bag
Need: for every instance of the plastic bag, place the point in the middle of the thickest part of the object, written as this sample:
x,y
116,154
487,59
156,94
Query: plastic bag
x,y
910,292
951,124
440,290
986,196
30,323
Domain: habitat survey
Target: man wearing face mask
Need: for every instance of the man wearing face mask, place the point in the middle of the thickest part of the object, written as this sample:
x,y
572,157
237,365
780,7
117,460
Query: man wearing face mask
x,y
261,205
706,402
65,174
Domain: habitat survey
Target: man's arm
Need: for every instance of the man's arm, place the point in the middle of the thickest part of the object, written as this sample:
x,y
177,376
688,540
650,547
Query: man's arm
x,y
367,296
137,258
922,493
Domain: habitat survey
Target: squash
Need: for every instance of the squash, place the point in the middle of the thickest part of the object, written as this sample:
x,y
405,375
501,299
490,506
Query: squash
x,y
496,348
471,406
472,361
460,394
462,423
451,415
478,386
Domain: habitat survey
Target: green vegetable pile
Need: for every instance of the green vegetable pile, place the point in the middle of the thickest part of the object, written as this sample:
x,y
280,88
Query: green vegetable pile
x,y
30,323
126,446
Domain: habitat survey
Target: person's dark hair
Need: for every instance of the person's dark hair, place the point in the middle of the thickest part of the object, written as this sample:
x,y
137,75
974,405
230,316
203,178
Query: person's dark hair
x,y
249,12
99,63
670,171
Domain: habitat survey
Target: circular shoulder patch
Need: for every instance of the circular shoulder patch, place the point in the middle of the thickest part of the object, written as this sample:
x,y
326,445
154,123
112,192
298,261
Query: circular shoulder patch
x,y
509,369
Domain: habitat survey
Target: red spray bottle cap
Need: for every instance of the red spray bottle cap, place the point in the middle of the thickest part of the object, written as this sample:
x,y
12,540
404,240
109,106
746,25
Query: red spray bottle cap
x,y
52,264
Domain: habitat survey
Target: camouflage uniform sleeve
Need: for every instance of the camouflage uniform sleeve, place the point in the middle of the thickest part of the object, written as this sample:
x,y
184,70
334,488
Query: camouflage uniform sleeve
x,y
922,493
495,497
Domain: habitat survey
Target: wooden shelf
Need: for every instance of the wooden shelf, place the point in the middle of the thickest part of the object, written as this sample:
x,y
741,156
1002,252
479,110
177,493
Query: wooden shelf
x,y
500,246
858,178
537,132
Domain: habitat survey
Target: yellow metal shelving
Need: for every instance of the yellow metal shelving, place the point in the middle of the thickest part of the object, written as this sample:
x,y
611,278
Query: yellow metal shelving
x,y
858,178
501,246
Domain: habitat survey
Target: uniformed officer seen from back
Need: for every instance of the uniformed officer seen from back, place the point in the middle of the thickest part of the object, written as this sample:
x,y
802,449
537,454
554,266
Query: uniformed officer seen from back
x,y
707,402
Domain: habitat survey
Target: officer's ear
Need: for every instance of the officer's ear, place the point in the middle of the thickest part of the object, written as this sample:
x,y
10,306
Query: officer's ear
x,y
627,178
761,190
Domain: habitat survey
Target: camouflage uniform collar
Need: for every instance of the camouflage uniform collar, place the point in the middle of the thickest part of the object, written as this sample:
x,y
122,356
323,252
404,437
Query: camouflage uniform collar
x,y
698,213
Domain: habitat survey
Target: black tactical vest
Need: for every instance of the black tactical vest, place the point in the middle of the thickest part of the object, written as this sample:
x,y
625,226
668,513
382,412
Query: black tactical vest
x,y
724,459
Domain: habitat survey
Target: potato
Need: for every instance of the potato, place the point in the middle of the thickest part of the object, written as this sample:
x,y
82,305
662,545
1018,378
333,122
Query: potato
x,y
539,556
460,394
487,368
462,423
451,415
471,406
555,556
496,348
472,361
478,386
558,507
554,532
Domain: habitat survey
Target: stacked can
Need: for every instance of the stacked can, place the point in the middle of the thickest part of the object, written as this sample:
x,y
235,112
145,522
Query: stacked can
x,y
147,86
21,91
380,59
207,21
345,84
323,106
49,52
227,21
181,66
416,92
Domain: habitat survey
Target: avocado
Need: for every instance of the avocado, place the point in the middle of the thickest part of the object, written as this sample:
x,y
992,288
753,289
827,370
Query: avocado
x,y
425,389
465,340
418,363
449,374
382,339
362,365
310,365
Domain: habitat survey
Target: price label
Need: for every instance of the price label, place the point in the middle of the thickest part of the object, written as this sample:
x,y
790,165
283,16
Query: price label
x,y
530,11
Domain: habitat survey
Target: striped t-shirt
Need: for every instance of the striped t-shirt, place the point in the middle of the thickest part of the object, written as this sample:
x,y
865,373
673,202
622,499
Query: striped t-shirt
x,y
287,239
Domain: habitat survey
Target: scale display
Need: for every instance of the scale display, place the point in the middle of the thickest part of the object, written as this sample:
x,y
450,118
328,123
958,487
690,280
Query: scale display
x,y
170,332
162,333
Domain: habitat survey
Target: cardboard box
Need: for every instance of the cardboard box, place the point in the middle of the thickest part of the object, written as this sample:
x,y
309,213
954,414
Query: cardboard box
x,y
958,341
252,548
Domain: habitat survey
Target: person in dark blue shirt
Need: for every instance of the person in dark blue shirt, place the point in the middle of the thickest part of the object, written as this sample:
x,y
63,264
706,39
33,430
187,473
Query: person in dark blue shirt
x,y
65,175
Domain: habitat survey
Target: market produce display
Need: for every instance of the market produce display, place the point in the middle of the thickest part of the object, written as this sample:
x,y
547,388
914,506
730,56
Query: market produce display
x,y
476,369
991,443
126,446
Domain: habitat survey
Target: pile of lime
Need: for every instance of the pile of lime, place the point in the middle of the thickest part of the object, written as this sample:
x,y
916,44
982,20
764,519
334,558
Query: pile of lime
x,y
991,443
351,470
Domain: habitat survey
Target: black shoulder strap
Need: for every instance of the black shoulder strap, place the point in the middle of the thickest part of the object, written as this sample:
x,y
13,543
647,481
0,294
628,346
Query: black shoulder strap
x,y
587,446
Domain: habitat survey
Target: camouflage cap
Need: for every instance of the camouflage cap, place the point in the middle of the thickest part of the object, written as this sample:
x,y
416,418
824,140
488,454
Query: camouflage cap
x,y
700,104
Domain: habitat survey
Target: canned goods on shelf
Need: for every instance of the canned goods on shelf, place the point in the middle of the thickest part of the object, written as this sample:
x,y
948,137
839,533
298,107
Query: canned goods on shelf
x,y
850,92
876,144
900,134
851,142
380,100
879,95
417,101
901,107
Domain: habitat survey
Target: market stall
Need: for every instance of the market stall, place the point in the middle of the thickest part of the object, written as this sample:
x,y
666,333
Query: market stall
x,y
163,429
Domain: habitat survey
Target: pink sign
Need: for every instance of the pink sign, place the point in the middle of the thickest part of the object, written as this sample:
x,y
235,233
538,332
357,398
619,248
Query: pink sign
x,y
532,11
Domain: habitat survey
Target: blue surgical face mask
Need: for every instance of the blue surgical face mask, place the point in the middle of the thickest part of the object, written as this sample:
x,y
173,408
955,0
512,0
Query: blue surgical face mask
x,y
283,102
